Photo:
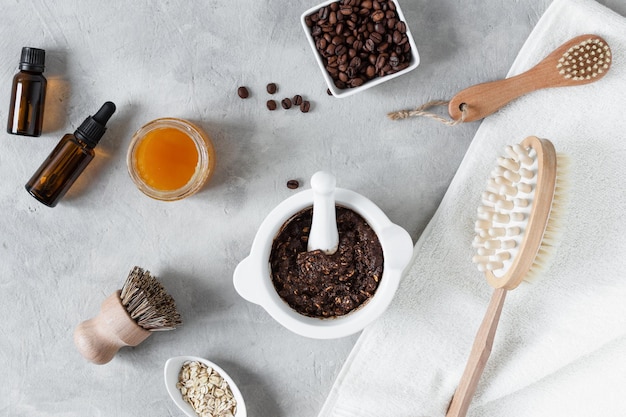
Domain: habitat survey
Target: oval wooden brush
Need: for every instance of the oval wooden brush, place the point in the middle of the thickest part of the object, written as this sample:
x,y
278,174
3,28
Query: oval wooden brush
x,y
582,60
127,317
515,230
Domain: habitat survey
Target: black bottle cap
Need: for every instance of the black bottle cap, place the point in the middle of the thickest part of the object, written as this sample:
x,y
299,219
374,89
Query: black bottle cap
x,y
33,59
92,129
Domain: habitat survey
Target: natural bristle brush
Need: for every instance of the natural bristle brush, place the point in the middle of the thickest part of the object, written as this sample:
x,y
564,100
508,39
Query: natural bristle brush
x,y
127,317
515,228
582,60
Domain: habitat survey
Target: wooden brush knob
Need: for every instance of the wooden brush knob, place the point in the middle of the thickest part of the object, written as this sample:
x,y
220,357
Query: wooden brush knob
x,y
99,338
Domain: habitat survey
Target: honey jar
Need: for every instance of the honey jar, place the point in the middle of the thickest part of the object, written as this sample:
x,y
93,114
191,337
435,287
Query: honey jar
x,y
170,159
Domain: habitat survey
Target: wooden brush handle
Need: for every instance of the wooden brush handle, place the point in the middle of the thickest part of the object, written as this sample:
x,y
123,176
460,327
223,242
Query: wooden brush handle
x,y
481,100
478,357
99,339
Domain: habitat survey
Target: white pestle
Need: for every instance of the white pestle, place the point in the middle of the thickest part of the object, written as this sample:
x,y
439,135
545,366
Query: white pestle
x,y
323,234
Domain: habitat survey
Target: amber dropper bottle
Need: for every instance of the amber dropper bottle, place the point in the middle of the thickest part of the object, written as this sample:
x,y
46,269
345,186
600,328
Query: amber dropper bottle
x,y
28,94
70,157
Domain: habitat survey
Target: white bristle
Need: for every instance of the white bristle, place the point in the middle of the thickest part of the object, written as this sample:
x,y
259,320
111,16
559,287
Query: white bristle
x,y
501,218
526,173
524,187
478,241
508,244
485,252
494,265
508,163
503,181
512,176
522,154
520,202
508,190
505,205
517,217
497,231
493,244
482,224
503,256
513,231
477,259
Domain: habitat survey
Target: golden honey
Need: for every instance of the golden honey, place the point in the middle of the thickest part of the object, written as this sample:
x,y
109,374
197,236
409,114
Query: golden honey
x,y
170,159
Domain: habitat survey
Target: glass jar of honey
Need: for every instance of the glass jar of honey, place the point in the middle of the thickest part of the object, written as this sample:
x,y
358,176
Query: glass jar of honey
x,y
170,159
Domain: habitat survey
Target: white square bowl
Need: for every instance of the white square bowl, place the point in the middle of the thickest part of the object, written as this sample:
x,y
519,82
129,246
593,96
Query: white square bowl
x,y
345,92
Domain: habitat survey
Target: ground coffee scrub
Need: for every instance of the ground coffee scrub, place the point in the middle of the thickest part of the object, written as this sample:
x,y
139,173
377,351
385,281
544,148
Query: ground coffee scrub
x,y
324,286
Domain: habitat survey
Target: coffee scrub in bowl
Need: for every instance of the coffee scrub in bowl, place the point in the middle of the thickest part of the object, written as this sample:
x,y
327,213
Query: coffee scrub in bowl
x,y
327,291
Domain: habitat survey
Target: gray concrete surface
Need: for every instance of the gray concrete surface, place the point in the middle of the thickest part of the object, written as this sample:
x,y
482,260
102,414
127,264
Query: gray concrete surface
x,y
186,59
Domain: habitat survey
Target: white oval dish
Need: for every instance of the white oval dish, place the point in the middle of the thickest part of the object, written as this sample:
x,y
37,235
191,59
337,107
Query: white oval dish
x,y
172,369
252,277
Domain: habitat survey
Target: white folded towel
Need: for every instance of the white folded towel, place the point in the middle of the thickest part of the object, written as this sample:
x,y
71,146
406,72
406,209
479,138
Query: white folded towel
x,y
560,349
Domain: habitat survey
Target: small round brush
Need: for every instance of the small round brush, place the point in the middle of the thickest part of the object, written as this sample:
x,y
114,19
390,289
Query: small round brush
x,y
127,317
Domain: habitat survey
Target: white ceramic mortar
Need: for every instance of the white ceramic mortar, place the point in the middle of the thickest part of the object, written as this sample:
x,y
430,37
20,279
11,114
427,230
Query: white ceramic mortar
x,y
252,277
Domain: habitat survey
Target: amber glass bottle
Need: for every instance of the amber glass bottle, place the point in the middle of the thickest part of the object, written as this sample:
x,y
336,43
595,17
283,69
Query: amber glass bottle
x,y
28,94
69,158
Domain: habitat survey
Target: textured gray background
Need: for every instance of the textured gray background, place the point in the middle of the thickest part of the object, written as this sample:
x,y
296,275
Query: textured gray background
x,y
186,59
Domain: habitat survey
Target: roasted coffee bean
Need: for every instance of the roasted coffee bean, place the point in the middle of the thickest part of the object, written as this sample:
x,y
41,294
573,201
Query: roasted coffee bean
x,y
397,36
286,103
243,92
355,62
332,17
381,61
297,100
271,88
305,106
378,15
394,60
293,184
357,82
345,10
340,50
330,93
271,105
401,26
376,37
323,13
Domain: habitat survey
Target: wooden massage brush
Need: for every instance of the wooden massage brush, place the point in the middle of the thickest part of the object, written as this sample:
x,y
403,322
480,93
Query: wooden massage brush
x,y
581,60
515,231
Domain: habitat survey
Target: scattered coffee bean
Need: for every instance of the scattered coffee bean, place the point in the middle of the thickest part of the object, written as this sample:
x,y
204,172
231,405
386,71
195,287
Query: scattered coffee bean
x,y
286,103
243,92
297,100
271,105
293,184
360,40
330,93
305,106
271,88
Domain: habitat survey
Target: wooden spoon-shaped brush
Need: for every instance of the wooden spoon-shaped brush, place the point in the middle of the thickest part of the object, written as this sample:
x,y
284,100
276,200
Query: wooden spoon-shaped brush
x,y
582,60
